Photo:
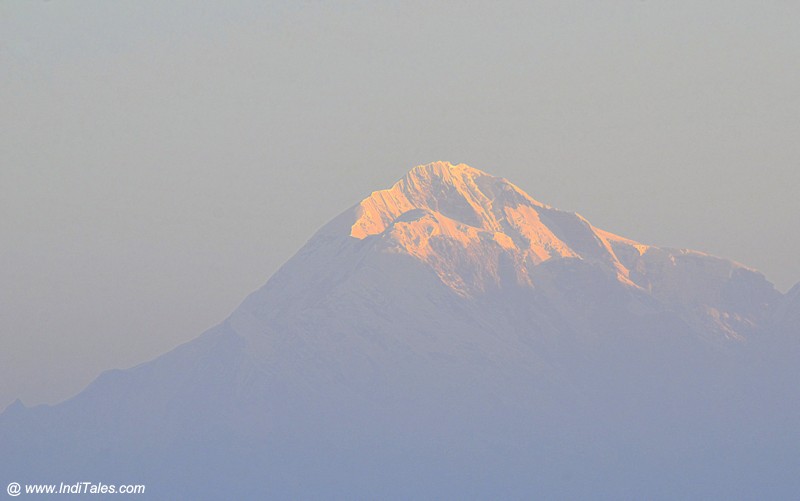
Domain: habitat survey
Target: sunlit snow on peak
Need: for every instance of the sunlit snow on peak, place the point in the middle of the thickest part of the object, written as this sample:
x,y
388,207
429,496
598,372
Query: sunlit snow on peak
x,y
454,217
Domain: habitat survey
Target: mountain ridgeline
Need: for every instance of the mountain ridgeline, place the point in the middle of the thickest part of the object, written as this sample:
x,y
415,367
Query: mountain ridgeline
x,y
451,337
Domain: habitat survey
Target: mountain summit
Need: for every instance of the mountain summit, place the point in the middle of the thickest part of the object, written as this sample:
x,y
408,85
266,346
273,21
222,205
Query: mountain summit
x,y
457,218
451,337
479,232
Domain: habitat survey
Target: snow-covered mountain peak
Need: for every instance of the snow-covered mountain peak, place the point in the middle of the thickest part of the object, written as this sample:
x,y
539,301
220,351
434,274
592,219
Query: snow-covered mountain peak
x,y
479,233
451,321
458,219
458,192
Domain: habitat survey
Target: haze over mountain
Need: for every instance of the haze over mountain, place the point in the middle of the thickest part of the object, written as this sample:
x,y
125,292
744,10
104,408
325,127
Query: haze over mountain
x,y
452,337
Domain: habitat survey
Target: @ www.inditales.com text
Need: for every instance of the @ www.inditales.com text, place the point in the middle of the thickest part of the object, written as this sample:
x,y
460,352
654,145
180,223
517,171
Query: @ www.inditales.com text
x,y
15,489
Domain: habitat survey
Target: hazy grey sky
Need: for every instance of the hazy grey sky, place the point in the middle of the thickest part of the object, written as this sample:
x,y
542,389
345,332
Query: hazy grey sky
x,y
159,160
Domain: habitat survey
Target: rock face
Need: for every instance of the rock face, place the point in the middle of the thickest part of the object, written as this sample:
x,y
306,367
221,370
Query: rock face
x,y
453,337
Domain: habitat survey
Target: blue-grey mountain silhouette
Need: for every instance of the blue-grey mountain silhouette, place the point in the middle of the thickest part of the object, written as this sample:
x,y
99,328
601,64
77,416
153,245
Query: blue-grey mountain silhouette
x,y
451,337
